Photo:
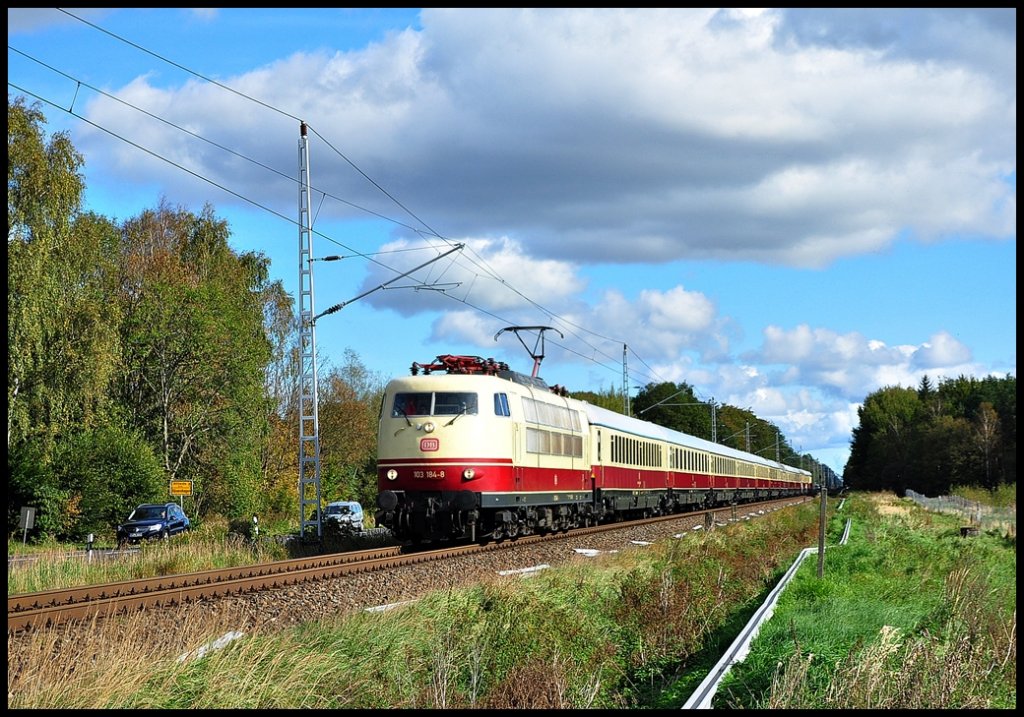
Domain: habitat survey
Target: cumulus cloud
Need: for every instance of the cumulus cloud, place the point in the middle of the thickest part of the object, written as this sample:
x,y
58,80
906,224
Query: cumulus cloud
x,y
622,135
823,348
557,141
941,351
486,273
464,327
820,376
852,366
658,324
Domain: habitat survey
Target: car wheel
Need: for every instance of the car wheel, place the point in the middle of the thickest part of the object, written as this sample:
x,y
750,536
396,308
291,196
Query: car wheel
x,y
164,534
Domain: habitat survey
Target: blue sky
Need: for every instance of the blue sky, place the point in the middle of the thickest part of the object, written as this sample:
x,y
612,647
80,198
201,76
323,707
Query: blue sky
x,y
787,209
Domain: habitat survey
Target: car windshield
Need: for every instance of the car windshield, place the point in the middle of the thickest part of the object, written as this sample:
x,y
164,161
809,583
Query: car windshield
x,y
148,512
338,510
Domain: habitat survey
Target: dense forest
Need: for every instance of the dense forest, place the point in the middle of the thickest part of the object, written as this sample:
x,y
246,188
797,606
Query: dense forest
x,y
930,439
149,350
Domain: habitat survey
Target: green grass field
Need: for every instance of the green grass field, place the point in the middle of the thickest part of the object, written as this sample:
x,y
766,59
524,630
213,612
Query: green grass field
x,y
909,614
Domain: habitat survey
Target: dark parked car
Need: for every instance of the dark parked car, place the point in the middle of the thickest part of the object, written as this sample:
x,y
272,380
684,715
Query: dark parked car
x,y
153,521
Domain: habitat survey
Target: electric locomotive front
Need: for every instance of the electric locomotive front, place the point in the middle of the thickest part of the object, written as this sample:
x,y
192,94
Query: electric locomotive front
x,y
443,439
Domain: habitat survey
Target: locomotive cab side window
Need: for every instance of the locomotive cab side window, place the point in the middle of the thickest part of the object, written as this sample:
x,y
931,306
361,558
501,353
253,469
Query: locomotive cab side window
x,y
501,405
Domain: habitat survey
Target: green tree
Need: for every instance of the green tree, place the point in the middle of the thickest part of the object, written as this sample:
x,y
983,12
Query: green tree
x,y
986,437
929,397
879,452
959,395
61,336
107,472
31,483
674,406
766,440
932,440
196,353
280,445
940,454
610,398
1001,393
735,426
154,326
995,454
349,410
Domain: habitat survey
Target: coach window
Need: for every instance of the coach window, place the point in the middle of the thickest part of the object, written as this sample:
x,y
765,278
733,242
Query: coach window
x,y
575,416
501,405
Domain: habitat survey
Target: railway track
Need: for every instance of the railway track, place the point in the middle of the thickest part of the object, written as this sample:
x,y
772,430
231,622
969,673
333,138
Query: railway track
x,y
54,607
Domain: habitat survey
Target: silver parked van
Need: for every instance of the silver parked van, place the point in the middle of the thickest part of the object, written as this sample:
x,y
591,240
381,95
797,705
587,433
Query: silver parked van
x,y
346,514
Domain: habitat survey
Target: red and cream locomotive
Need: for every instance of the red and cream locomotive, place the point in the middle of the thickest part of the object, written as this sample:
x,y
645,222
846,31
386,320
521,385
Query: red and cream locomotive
x,y
469,450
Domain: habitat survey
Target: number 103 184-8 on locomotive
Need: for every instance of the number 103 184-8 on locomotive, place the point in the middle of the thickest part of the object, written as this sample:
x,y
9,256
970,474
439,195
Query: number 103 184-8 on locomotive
x,y
469,450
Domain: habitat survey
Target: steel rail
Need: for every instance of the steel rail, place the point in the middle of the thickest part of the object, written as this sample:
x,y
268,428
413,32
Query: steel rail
x,y
54,607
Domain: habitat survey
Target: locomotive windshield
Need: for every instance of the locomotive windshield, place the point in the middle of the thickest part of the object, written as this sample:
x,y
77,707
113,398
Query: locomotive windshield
x,y
439,403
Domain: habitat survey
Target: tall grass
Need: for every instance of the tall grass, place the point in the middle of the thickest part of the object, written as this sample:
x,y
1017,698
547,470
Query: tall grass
x,y
909,615
596,633
1002,496
619,631
212,546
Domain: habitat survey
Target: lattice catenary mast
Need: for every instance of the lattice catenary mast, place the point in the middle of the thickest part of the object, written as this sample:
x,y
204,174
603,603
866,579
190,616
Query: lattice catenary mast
x,y
309,421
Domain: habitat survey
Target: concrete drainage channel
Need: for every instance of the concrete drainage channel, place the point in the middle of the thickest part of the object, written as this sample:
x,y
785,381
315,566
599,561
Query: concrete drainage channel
x,y
738,650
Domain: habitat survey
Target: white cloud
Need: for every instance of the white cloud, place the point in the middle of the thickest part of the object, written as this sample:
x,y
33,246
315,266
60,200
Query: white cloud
x,y
560,140
853,365
942,351
487,273
462,328
677,310
618,135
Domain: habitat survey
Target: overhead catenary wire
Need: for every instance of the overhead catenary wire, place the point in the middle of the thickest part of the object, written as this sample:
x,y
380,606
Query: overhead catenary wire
x,y
427,233
270,210
482,262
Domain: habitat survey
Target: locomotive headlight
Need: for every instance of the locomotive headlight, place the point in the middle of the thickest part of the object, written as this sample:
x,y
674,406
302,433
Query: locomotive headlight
x,y
468,474
391,474
428,427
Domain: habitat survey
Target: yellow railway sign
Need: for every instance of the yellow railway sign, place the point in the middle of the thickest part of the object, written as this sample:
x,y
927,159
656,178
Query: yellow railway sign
x,y
181,487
